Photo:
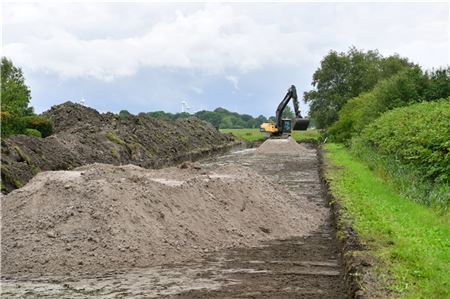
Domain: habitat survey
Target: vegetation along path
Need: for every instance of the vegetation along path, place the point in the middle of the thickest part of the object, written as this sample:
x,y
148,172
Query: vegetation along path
x,y
299,267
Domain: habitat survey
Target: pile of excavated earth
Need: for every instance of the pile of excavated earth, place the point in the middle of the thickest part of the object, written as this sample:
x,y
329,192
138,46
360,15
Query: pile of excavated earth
x,y
83,136
100,217
281,146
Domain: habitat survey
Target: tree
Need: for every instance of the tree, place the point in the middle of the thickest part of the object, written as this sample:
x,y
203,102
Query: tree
x,y
17,116
405,88
260,119
14,92
342,76
210,116
124,113
288,113
439,84
159,114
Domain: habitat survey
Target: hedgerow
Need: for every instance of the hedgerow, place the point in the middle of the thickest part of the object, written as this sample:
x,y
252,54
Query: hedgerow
x,y
13,124
407,87
412,142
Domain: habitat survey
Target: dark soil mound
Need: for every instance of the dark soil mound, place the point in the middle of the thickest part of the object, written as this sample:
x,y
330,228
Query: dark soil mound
x,y
83,136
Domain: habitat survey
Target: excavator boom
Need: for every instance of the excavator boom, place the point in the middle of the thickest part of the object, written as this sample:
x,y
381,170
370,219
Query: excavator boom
x,y
285,125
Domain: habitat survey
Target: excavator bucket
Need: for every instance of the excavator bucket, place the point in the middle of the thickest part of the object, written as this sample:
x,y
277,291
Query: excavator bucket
x,y
300,124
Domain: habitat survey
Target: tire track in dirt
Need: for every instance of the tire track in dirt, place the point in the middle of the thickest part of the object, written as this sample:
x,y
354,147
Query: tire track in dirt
x,y
303,267
307,267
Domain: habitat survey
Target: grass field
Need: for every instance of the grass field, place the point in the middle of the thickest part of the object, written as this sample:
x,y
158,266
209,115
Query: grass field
x,y
255,135
409,241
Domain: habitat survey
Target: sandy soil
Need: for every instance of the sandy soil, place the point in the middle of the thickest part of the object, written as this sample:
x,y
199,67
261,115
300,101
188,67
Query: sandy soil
x,y
101,217
189,212
281,146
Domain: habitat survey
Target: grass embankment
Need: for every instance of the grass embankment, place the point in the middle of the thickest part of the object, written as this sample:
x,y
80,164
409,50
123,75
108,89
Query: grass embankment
x,y
253,135
409,241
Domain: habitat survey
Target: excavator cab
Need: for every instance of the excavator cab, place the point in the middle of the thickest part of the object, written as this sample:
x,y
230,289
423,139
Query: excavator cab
x,y
283,126
286,125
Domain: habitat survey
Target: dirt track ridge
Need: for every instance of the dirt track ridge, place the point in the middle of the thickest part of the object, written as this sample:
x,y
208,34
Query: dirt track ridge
x,y
306,266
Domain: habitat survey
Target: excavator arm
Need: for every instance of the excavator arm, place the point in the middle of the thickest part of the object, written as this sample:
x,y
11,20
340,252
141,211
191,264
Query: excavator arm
x,y
299,123
291,94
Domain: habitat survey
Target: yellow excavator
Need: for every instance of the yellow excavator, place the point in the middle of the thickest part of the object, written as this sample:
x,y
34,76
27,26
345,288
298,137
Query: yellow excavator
x,y
283,127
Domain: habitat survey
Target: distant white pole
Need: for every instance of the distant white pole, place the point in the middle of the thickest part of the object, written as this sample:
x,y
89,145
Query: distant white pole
x,y
184,106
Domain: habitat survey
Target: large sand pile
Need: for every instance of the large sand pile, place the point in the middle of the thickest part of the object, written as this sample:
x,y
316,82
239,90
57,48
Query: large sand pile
x,y
280,146
101,217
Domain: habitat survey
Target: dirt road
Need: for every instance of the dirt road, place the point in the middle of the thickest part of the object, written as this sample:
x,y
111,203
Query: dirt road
x,y
306,267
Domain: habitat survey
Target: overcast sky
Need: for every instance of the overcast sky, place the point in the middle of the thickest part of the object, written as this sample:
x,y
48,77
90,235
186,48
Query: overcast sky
x,y
243,57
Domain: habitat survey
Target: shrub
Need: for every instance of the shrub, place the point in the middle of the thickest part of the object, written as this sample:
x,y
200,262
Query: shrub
x,y
407,87
40,124
417,135
33,132
410,147
11,124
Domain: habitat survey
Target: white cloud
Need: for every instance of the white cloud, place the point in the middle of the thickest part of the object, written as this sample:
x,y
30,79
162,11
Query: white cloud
x,y
234,81
196,89
212,39
108,41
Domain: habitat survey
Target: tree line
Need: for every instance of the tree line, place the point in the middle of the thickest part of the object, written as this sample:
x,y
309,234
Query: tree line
x,y
391,114
219,118
351,89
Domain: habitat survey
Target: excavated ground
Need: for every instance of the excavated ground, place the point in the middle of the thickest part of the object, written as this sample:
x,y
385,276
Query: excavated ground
x,y
307,266
84,136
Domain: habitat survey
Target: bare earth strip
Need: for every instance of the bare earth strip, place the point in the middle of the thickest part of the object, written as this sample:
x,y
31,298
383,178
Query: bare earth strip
x,y
306,266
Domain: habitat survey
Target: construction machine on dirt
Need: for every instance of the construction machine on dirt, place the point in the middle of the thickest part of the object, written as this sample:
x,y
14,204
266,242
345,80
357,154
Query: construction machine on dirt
x,y
283,127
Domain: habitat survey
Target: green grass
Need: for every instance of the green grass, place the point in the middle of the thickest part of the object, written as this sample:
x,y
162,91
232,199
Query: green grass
x,y
409,241
113,138
253,135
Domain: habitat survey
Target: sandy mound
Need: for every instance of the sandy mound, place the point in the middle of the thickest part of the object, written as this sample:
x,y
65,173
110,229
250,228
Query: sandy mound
x,y
84,136
101,217
280,146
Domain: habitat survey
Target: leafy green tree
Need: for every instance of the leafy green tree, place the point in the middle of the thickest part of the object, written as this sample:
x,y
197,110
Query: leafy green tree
x,y
226,122
407,87
288,113
260,119
182,115
159,114
439,84
15,94
219,118
212,117
124,113
17,116
342,76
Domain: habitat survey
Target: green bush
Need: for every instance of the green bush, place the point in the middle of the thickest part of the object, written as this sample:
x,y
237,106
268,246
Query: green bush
x,y
417,135
33,132
40,124
406,88
11,124
403,89
410,146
